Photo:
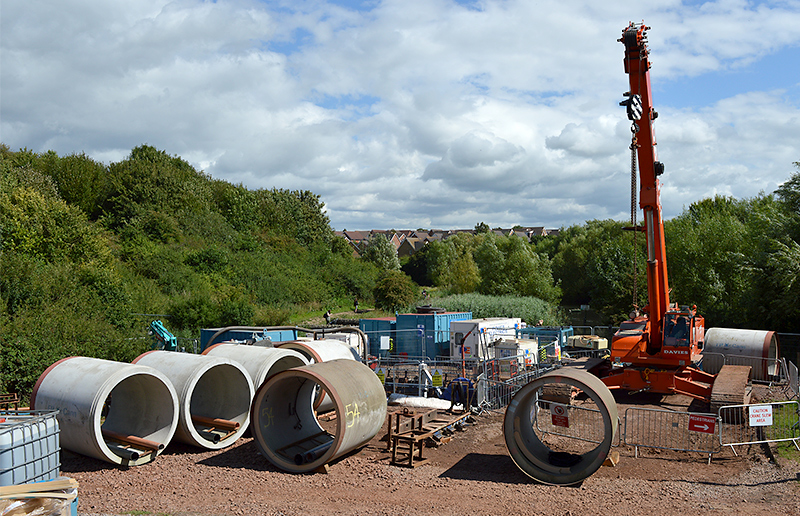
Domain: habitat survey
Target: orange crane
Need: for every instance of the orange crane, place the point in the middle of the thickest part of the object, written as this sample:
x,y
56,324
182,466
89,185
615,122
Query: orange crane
x,y
657,350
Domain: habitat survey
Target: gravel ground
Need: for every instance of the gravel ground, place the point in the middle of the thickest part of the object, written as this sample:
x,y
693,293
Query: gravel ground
x,y
472,474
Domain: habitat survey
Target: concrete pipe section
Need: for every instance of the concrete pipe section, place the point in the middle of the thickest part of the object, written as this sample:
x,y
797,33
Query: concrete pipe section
x,y
120,413
260,363
285,425
759,344
524,439
214,396
321,350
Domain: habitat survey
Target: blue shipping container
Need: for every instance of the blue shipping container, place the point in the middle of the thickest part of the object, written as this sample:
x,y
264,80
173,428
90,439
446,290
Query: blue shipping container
x,y
376,329
243,335
547,334
426,335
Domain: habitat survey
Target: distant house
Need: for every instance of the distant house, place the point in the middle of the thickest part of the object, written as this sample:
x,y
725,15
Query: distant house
x,y
411,245
408,241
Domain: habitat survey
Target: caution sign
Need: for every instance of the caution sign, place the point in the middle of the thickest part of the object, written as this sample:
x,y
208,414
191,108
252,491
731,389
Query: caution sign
x,y
436,379
702,424
760,415
381,375
558,413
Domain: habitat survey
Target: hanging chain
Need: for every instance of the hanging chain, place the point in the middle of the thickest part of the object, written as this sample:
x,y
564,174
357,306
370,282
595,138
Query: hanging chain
x,y
634,210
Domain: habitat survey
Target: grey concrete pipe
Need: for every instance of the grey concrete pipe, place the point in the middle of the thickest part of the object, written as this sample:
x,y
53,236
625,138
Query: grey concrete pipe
x,y
117,412
285,426
761,345
322,350
260,363
535,458
214,396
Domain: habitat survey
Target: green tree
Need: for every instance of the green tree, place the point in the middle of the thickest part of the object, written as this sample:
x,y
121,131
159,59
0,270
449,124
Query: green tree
x,y
789,192
395,290
482,227
382,253
707,258
81,181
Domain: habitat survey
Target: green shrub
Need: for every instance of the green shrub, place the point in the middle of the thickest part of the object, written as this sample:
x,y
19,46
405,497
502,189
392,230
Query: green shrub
x,y
529,309
395,290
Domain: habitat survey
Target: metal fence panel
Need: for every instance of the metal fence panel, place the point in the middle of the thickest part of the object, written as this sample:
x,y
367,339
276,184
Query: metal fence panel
x,y
759,423
573,421
670,430
793,386
763,370
712,362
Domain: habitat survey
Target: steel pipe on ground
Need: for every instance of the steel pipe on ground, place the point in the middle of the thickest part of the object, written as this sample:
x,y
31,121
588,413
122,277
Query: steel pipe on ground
x,y
208,388
260,363
535,458
285,425
100,400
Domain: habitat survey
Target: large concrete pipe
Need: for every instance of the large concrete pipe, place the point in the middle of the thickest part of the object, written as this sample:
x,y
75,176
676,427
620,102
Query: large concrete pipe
x,y
214,396
117,412
322,350
259,362
761,344
286,429
535,458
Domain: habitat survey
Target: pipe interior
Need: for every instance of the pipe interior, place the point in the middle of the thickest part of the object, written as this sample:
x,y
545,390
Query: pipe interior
x,y
221,392
140,405
546,459
287,423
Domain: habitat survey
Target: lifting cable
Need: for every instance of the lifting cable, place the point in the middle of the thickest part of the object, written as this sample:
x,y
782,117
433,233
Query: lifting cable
x,y
634,146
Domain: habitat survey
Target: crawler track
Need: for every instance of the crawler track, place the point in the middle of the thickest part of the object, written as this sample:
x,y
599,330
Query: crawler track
x,y
731,387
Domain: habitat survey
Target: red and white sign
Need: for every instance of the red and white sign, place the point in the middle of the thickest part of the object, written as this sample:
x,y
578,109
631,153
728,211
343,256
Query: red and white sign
x,y
703,424
760,415
559,415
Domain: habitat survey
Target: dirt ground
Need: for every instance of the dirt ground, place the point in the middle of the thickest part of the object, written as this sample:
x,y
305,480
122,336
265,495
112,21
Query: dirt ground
x,y
471,474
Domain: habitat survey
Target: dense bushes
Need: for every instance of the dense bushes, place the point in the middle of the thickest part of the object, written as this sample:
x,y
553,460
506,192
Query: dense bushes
x,y
90,254
485,263
529,309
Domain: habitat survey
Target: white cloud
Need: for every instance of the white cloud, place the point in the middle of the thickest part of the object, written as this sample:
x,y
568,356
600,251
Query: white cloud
x,y
411,113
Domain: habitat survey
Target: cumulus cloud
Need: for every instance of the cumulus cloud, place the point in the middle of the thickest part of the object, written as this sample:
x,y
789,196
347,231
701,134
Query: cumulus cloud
x,y
406,113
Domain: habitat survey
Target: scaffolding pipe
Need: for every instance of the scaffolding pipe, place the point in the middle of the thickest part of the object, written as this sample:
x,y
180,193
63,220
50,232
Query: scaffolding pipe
x,y
285,424
207,387
215,422
132,440
96,397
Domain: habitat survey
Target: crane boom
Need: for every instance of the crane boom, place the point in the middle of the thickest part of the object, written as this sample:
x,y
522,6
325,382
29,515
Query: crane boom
x,y
660,350
637,66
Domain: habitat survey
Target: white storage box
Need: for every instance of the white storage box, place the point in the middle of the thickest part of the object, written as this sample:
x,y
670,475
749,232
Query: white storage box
x,y
29,446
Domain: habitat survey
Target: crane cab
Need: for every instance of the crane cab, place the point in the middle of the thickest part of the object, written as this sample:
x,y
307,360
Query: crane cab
x,y
683,336
680,343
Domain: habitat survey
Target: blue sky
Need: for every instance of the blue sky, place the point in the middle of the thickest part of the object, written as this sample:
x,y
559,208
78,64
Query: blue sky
x,y
413,113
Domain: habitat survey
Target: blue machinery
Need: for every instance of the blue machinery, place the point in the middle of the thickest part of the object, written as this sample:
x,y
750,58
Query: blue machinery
x,y
163,338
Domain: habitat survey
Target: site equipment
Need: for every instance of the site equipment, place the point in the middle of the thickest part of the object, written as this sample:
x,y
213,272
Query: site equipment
x,y
658,350
162,338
